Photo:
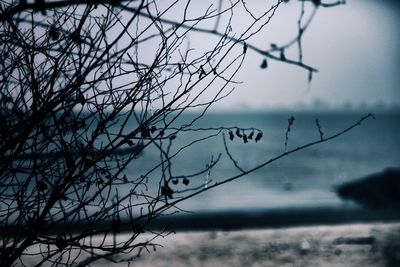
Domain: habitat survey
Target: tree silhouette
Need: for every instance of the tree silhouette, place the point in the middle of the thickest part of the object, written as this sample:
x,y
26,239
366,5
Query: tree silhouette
x,y
86,88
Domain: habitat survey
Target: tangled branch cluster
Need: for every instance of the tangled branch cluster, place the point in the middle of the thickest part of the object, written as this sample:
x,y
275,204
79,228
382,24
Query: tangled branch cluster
x,y
86,88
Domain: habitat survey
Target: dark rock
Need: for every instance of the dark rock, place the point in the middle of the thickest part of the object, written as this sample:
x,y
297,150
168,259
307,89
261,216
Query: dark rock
x,y
362,240
377,191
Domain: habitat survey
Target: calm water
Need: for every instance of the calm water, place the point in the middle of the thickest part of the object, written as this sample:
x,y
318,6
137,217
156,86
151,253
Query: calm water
x,y
306,178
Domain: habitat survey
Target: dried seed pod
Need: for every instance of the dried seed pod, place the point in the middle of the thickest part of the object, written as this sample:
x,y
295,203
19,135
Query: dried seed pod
x,y
264,64
185,181
258,137
231,135
251,135
238,133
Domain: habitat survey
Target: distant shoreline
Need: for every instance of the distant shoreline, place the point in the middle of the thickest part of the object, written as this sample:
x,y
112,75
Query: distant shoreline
x,y
270,218
387,111
234,220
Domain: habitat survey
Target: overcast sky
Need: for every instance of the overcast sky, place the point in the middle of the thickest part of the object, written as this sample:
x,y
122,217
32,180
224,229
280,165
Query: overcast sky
x,y
355,47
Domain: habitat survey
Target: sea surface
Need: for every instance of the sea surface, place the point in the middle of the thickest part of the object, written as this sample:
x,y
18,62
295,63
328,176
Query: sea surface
x,y
304,179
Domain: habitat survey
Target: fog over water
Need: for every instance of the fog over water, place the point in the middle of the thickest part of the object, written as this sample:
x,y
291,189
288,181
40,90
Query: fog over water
x,y
305,179
354,47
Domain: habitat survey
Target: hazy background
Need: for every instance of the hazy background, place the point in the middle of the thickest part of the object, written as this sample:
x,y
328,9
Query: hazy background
x,y
354,46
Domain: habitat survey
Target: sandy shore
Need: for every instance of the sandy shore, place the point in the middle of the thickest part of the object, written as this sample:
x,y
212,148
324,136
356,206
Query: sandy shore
x,y
338,245
331,237
344,245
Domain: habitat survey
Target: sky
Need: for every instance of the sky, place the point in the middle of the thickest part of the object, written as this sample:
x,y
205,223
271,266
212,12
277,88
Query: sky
x,y
354,47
